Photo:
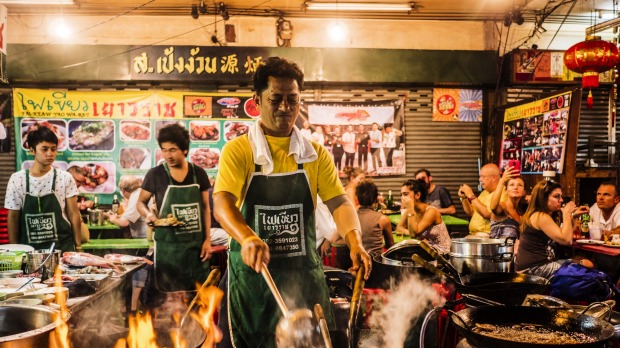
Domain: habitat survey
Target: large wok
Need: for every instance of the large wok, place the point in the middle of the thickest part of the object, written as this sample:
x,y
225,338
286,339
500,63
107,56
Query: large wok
x,y
556,319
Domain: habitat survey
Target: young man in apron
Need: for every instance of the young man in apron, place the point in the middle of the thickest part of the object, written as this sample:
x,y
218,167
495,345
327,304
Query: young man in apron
x,y
264,198
42,200
180,189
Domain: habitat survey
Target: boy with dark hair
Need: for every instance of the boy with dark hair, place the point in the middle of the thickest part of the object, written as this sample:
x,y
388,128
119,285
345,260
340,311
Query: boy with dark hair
x,y
42,200
181,190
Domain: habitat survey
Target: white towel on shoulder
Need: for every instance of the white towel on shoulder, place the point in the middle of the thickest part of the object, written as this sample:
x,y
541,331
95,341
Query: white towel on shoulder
x,y
300,147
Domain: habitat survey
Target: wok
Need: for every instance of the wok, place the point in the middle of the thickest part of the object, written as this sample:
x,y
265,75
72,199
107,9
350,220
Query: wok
x,y
506,288
555,319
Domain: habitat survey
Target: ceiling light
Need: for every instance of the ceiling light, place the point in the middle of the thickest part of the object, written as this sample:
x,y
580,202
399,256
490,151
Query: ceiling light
x,y
357,6
37,2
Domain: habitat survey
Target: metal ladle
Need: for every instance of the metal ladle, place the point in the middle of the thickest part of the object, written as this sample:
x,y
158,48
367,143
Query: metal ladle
x,y
296,328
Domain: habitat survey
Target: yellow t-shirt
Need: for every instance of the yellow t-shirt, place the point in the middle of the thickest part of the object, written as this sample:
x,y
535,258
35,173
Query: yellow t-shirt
x,y
237,165
478,223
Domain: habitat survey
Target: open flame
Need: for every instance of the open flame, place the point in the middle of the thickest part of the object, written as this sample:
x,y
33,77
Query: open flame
x,y
59,338
142,333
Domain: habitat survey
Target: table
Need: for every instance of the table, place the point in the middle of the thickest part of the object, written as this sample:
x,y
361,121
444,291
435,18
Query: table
x,y
109,229
137,246
455,225
598,248
606,258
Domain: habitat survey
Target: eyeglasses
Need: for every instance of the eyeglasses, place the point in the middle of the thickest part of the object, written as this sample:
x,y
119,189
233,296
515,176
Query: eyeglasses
x,y
291,100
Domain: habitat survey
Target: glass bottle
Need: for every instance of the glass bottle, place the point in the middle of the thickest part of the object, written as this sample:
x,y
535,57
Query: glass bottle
x,y
585,225
390,200
96,202
115,204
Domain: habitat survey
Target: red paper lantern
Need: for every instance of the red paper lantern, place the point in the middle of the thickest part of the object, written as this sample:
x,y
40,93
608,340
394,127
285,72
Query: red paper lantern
x,y
590,58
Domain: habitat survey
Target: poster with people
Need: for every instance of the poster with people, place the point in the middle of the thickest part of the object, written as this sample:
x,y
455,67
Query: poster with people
x,y
534,135
105,135
367,135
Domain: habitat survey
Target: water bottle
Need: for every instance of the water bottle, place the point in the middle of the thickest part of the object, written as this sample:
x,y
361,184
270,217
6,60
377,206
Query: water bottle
x,y
115,204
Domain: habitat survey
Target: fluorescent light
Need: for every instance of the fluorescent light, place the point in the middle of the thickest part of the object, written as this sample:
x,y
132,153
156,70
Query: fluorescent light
x,y
37,2
357,6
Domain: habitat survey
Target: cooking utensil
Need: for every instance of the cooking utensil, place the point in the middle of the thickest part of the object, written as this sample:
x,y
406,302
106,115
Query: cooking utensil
x,y
26,283
474,255
358,288
213,278
295,328
320,317
544,318
435,254
27,326
507,288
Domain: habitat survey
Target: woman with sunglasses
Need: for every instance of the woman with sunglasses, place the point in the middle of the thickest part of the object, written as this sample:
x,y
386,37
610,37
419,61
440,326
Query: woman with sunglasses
x,y
545,223
420,220
507,214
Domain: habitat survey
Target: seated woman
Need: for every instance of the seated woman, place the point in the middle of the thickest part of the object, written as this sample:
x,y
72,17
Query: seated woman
x,y
376,227
355,175
420,220
544,224
506,215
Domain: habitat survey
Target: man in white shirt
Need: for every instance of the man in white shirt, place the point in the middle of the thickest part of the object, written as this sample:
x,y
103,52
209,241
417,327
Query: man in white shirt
x,y
376,142
606,211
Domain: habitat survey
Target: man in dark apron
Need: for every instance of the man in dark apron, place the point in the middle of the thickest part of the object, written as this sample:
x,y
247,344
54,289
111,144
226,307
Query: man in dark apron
x,y
39,197
264,198
181,190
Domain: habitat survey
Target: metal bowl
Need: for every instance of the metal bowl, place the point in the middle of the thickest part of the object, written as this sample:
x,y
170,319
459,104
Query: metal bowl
x,y
26,326
45,299
10,274
21,301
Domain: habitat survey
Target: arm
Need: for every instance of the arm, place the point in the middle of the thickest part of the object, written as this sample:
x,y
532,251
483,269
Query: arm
x,y
467,207
349,228
417,223
13,225
253,250
474,203
451,210
564,234
143,208
205,252
73,213
402,225
386,228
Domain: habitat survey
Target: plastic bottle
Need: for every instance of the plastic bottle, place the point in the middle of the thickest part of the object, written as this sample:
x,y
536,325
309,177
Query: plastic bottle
x,y
115,204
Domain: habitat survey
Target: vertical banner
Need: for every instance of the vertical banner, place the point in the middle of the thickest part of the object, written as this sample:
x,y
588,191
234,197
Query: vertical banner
x,y
534,135
457,105
106,135
366,135
3,43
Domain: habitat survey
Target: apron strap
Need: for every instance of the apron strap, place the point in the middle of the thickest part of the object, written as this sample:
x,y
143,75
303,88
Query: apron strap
x,y
300,166
168,172
54,181
27,181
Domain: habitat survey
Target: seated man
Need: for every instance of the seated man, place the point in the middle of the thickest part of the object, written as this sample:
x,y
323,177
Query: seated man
x,y
438,196
606,213
478,206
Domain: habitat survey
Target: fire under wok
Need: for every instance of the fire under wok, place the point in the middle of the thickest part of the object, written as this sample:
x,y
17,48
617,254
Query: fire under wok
x,y
520,327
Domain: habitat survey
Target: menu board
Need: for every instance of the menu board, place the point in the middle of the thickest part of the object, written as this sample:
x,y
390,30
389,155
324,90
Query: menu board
x,y
106,135
534,135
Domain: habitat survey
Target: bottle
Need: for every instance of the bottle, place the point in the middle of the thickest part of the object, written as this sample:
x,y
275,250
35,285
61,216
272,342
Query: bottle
x,y
585,225
115,204
96,202
390,200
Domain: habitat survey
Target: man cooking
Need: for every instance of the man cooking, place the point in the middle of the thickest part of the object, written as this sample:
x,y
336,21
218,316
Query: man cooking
x,y
264,198
42,200
180,189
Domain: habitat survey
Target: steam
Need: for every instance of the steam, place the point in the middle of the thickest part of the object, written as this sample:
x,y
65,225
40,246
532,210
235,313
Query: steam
x,y
406,303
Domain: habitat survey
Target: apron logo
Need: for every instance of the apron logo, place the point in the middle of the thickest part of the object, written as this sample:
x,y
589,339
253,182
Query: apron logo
x,y
283,227
190,214
41,227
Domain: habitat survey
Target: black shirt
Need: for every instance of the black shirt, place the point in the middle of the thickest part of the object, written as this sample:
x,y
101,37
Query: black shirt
x,y
157,180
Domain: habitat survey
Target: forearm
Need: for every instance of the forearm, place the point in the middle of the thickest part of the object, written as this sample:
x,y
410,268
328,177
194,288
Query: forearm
x,y
480,208
346,219
13,225
451,210
496,198
467,207
120,221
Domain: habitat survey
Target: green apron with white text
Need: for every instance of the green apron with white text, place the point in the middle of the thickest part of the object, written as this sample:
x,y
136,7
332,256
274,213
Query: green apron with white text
x,y
41,221
177,249
280,209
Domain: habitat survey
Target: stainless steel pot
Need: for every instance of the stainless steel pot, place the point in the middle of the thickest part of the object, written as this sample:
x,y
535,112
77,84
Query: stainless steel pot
x,y
475,255
26,326
390,266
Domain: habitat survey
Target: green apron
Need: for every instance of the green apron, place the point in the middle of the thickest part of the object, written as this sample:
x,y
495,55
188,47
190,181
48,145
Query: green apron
x,y
177,249
41,221
280,209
